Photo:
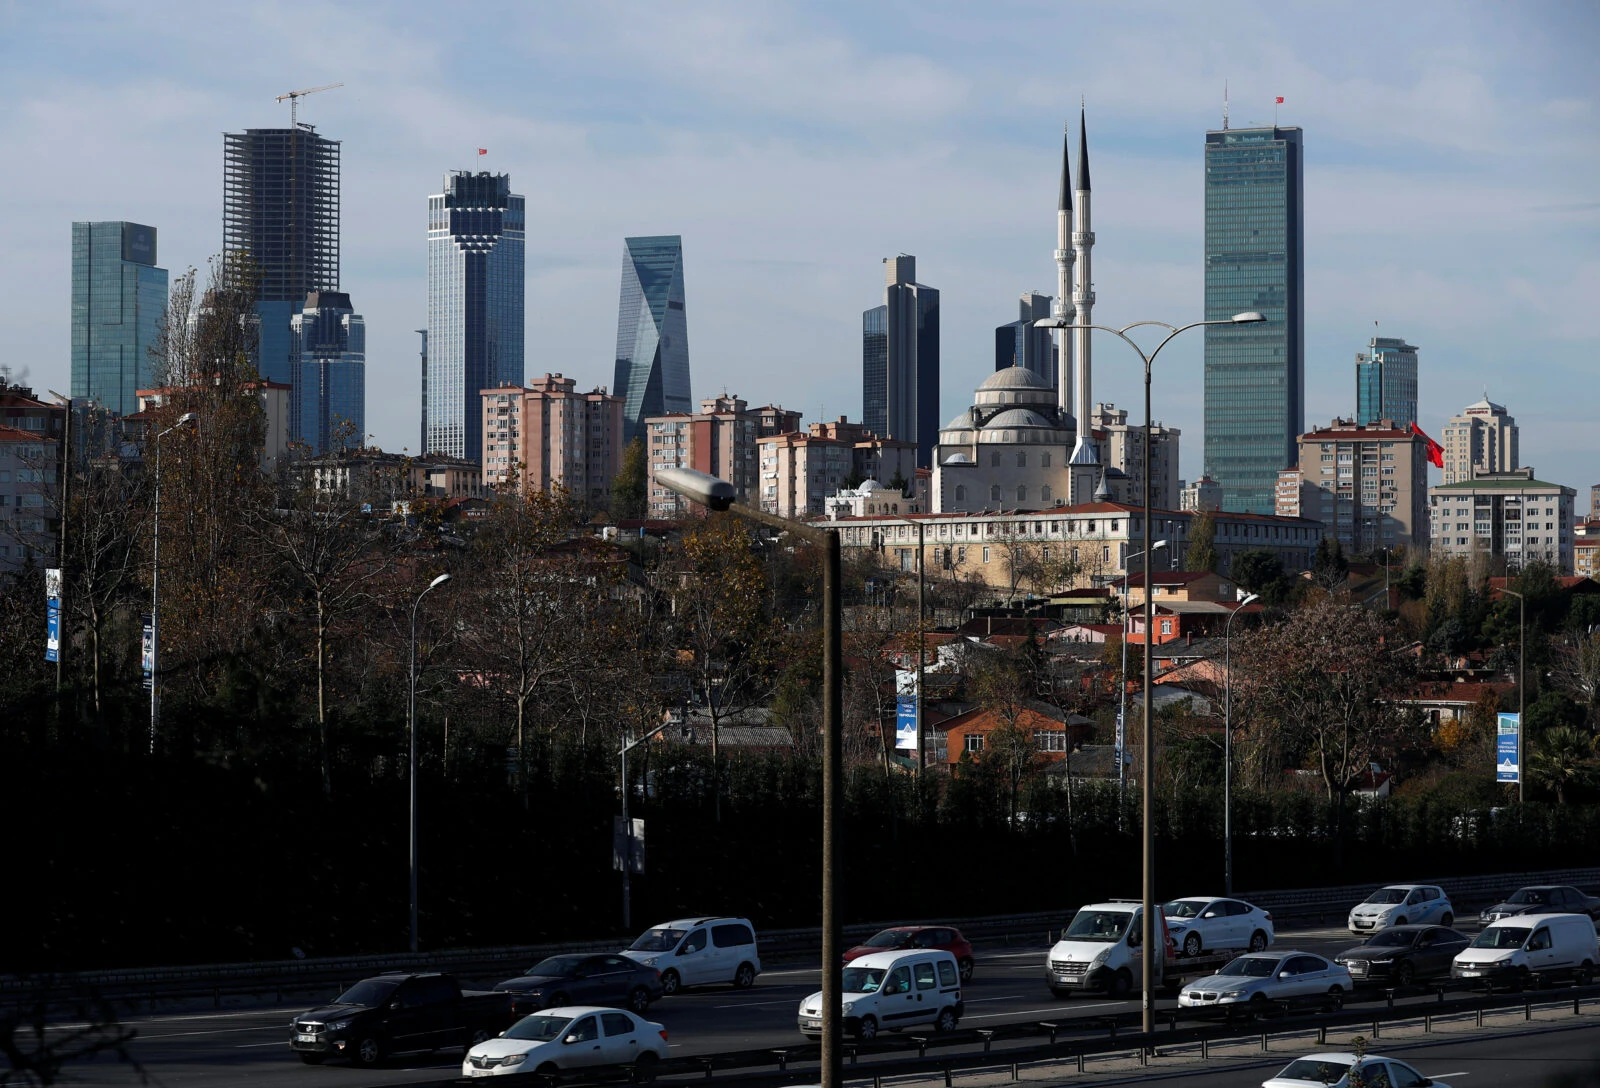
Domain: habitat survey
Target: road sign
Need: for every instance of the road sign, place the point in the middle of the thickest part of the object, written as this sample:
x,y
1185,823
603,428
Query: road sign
x,y
625,846
1508,749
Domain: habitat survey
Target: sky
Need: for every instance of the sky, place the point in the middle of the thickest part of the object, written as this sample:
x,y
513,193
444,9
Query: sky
x,y
1451,154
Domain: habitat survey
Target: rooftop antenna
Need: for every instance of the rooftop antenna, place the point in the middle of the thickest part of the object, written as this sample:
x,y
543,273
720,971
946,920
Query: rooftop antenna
x,y
1224,105
294,98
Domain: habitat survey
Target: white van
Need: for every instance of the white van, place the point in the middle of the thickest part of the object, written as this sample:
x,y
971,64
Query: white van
x,y
891,991
1100,951
699,951
1516,950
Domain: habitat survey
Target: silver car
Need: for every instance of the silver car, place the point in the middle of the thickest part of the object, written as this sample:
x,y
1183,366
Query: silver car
x,y
1255,983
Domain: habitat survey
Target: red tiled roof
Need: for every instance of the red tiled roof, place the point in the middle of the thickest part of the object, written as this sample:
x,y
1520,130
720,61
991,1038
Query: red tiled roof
x,y
1164,577
17,434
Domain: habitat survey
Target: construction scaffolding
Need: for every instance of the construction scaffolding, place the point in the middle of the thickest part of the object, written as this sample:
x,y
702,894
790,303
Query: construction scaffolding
x,y
280,205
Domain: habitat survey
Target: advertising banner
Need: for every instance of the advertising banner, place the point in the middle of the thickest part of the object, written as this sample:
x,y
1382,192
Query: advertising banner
x,y
1121,740
905,723
1508,749
147,650
626,846
52,621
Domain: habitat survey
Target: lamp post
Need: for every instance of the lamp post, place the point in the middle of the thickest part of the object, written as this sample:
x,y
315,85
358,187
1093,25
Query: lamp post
x,y
64,469
922,642
1227,746
1522,694
411,728
716,494
1147,773
627,825
1122,706
188,421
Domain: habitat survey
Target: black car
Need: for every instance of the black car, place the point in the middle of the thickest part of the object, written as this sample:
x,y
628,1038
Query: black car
x,y
1400,955
1543,899
393,1013
584,980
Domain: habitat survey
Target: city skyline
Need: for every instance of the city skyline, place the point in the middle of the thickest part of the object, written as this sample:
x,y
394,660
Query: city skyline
x,y
788,205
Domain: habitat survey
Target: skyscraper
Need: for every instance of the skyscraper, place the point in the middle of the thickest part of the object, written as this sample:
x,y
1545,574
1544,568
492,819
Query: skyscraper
x,y
1386,382
1018,343
280,206
900,360
476,237
118,299
328,343
652,375
1254,260
1483,439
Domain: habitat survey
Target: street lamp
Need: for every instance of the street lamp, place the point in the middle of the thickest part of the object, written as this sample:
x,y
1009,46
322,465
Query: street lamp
x,y
1522,694
716,494
1227,746
627,825
189,421
411,728
1148,931
1122,707
922,641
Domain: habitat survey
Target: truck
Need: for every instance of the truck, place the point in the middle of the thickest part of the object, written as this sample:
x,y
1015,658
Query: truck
x,y
398,1012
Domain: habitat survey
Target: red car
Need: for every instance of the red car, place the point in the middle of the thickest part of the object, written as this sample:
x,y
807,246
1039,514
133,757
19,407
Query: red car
x,y
945,938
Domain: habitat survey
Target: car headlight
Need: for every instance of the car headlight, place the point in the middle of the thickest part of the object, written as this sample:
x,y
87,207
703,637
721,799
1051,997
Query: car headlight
x,y
514,1059
1233,993
339,1025
651,962
1099,958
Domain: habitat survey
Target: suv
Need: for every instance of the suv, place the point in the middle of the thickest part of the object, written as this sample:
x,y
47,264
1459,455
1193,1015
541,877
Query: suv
x,y
1400,905
698,951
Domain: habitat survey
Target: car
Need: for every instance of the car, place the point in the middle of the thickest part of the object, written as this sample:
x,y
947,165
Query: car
x,y
1332,1070
1402,904
1520,950
610,980
1542,899
699,951
1100,951
571,1037
1252,983
1204,924
891,991
945,938
394,1013
1400,955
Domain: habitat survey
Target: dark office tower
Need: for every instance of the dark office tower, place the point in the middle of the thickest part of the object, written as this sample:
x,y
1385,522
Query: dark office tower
x,y
118,299
900,360
328,345
1020,344
1254,250
652,375
476,239
1386,382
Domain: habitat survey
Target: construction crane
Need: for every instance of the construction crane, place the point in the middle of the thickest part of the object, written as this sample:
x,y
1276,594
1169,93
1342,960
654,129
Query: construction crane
x,y
294,98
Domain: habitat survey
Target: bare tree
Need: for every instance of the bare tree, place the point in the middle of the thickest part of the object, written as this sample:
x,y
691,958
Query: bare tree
x,y
1577,671
58,1024
109,517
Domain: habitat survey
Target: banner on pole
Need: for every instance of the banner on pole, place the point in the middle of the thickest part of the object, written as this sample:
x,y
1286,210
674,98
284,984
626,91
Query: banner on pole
x,y
905,723
625,846
1121,745
147,650
52,620
1508,749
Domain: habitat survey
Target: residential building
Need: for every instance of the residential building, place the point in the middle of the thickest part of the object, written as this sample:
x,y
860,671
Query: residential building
x,y
799,472
900,360
119,301
1121,447
1371,484
719,439
280,207
1505,517
1594,501
1188,586
1057,735
652,371
1205,494
775,419
31,439
1483,439
1586,548
328,349
1018,343
1254,261
1386,382
1296,496
547,434
477,231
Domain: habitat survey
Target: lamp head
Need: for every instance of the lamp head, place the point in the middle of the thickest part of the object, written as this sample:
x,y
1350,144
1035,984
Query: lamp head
x,y
697,486
188,419
439,581
1249,317
1158,545
1056,322
1251,597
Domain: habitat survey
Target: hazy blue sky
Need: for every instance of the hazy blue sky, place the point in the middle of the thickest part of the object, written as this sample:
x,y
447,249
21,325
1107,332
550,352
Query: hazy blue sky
x,y
1451,165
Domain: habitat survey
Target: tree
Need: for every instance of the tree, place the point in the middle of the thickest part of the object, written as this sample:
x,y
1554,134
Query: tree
x,y
1577,671
1564,758
1329,567
1001,684
1261,571
1042,568
108,517
628,498
1202,553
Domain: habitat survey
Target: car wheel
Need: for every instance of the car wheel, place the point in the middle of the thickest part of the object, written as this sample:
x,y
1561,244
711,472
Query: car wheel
x,y
670,982
867,1030
744,977
946,1021
1191,945
1404,974
311,1058
1120,984
1448,920
1400,921
548,1069
1256,1009
1335,998
966,969
644,1068
639,1000
1258,941
1584,974
368,1051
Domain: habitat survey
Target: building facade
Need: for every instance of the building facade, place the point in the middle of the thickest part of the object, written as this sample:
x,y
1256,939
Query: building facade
x,y
1504,516
1386,382
31,443
720,439
119,300
1254,260
1367,484
900,360
1020,344
652,369
1206,494
477,230
1483,439
547,434
1122,448
328,347
800,471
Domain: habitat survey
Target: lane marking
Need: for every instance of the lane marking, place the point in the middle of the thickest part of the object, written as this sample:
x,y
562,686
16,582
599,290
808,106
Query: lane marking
x,y
1034,1012
1007,997
218,1031
756,1004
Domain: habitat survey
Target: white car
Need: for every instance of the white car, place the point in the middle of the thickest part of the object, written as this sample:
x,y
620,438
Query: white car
x,y
1202,924
1332,1070
699,951
1400,905
574,1037
1254,983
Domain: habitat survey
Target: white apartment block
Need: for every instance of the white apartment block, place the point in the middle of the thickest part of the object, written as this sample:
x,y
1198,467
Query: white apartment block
x,y
1121,446
1367,483
1507,515
799,472
1482,439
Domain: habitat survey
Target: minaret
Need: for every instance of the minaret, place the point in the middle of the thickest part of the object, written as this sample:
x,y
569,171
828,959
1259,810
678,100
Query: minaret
x,y
1063,337
1083,307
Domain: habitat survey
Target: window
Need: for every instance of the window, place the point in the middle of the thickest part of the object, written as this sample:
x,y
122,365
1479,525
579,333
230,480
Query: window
x,y
961,555
986,554
924,975
1044,460
616,1024
974,742
1022,459
1022,493
731,936
947,973
585,1030
696,942
1166,627
994,493
898,982
994,459
961,492
1044,492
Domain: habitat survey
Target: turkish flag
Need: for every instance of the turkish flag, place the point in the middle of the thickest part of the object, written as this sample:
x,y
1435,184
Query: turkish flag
x,y
483,150
1280,100
1435,451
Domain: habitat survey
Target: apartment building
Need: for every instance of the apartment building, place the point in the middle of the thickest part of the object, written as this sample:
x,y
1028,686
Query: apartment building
x,y
1509,516
547,434
1367,483
719,439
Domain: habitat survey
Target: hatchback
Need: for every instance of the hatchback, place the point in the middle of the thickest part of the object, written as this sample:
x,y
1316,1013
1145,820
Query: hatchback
x,y
895,938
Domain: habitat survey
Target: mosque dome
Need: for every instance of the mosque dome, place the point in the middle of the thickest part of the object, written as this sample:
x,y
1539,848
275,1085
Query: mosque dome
x,y
1022,425
1014,385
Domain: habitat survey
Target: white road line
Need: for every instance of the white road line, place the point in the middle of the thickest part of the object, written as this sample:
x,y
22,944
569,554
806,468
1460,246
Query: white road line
x,y
218,1031
755,1004
981,1000
247,1046
1035,1012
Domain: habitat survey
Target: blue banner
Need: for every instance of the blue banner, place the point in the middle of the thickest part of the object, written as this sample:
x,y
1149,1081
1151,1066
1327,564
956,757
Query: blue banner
x,y
1508,749
905,723
147,654
52,630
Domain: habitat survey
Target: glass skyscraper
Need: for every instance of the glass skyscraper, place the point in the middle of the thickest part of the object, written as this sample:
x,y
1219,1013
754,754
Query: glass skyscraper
x,y
1254,254
900,360
1020,344
1386,382
652,375
477,231
328,345
118,299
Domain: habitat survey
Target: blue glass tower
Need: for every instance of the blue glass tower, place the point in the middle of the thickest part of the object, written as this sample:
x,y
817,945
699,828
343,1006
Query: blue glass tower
x,y
900,360
1386,382
652,375
476,238
118,299
1254,260
328,348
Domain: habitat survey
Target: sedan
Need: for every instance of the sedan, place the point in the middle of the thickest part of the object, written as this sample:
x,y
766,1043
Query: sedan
x,y
1252,983
577,1037
585,979
945,938
1332,1070
1400,955
1543,899
1202,924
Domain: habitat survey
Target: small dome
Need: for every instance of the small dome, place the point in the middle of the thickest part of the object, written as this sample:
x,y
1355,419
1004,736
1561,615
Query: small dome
x,y
1014,377
960,422
1019,417
958,459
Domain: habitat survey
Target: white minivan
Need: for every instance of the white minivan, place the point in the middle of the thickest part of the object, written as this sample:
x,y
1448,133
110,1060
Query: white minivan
x,y
1516,950
699,951
1100,951
891,991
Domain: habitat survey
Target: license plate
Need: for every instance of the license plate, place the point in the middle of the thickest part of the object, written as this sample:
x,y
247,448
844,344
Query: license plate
x,y
305,1037
816,1024
1469,974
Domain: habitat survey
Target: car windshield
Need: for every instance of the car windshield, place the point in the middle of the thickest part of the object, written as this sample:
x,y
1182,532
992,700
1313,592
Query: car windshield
x,y
1387,895
1391,938
373,991
1251,967
1098,925
557,965
539,1026
890,938
1529,896
863,980
1185,908
1501,937
658,940
1316,1070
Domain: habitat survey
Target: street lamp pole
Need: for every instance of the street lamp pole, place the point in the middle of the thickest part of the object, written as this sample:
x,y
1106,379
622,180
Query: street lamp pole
x,y
1227,746
627,826
1147,773
716,494
1122,707
1522,694
188,420
411,728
